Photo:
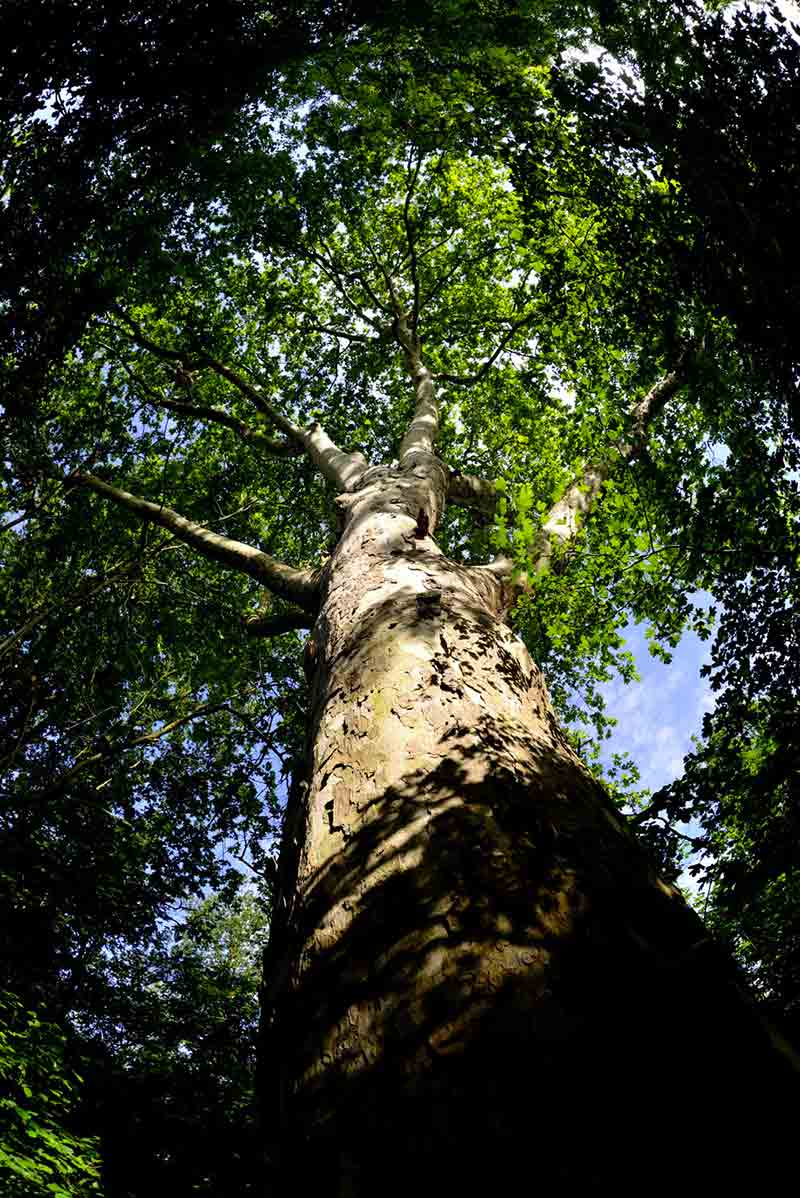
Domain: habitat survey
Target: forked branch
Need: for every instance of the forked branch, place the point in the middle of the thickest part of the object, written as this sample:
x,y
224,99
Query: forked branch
x,y
468,490
580,498
469,380
212,415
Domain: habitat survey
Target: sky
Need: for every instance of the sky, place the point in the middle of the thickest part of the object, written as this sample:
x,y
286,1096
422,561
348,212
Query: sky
x,y
658,716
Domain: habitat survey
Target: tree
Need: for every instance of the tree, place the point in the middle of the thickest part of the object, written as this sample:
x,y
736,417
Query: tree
x,y
715,102
170,1085
738,788
461,911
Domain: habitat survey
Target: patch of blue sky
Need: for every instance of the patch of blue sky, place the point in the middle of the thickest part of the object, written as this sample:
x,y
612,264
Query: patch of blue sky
x,y
658,716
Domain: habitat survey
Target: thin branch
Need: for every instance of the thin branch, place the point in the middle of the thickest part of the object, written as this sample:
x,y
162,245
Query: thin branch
x,y
15,521
195,359
179,356
466,260
247,433
471,379
322,328
256,398
147,738
413,176
297,586
215,415
331,270
86,590
150,738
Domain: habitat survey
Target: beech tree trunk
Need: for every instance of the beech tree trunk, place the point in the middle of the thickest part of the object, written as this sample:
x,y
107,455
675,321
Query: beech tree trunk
x,y
475,976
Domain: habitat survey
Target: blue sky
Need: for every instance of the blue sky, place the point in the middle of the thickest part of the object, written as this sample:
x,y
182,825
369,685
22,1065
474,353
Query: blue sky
x,y
658,716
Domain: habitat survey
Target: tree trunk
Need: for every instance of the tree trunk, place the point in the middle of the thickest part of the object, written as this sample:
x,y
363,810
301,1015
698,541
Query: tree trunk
x,y
476,978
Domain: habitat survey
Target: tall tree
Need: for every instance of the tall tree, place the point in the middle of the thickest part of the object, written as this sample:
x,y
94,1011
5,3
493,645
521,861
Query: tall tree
x,y
462,916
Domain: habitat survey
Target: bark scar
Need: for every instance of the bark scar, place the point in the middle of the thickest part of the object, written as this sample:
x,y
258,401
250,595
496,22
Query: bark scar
x,y
421,528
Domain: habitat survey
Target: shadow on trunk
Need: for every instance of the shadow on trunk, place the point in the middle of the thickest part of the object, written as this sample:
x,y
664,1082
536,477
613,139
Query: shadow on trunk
x,y
511,996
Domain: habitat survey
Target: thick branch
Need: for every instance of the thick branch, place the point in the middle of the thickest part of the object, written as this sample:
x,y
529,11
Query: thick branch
x,y
567,515
467,490
650,405
275,624
342,469
298,586
424,427
571,511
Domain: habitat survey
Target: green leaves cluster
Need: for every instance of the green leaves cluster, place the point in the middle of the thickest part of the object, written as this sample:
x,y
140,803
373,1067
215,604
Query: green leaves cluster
x,y
557,233
40,1153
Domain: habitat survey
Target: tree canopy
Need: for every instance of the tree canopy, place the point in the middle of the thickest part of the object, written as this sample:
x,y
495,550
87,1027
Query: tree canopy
x,y
212,217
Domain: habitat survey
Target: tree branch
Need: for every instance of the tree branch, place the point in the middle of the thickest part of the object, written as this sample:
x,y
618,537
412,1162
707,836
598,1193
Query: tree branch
x,y
423,430
340,468
467,490
252,393
323,328
297,586
650,405
412,182
277,623
570,512
330,268
149,738
471,379
195,359
86,590
253,436
169,355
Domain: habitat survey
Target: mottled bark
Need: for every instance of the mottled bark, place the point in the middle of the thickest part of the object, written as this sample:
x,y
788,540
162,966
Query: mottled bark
x,y
476,979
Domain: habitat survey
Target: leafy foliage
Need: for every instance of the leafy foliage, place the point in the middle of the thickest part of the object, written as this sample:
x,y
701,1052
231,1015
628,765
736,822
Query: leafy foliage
x,y
560,235
171,1080
39,1152
739,789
